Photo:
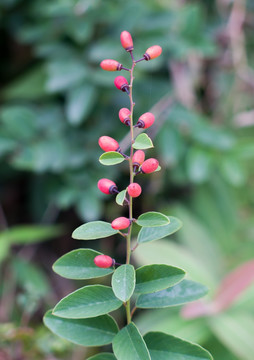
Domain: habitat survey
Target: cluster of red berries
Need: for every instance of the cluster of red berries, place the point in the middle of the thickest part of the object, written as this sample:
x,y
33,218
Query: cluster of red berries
x,y
140,165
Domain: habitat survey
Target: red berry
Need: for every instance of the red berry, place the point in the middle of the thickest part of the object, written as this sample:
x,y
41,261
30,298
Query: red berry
x,y
121,83
134,190
146,120
138,158
104,261
120,223
110,65
149,166
126,41
107,143
124,116
107,186
153,52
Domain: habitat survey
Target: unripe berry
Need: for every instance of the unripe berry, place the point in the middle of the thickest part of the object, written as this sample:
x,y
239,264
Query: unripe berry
x,y
126,41
134,190
152,52
104,261
138,157
110,65
107,143
107,186
124,116
149,166
146,120
120,223
122,84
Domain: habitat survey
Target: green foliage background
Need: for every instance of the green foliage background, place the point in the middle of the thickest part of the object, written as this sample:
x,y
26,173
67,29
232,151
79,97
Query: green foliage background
x,y
56,102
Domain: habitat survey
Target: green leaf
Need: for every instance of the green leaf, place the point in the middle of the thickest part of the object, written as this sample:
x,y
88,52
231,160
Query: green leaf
x,y
184,292
142,141
87,302
152,218
123,282
96,331
129,344
120,197
167,347
79,264
198,165
148,234
111,158
103,356
152,278
93,230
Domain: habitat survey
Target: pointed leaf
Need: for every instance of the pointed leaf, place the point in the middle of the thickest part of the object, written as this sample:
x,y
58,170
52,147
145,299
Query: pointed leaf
x,y
79,264
111,158
148,234
103,356
120,197
93,230
184,292
167,347
87,302
142,141
129,344
152,278
152,218
123,282
96,331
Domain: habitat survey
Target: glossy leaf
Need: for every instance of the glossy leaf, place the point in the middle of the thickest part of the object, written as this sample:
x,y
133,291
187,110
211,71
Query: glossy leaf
x,y
142,142
96,331
123,282
120,197
103,356
111,158
184,292
93,230
87,302
152,278
148,234
79,264
129,344
152,218
162,346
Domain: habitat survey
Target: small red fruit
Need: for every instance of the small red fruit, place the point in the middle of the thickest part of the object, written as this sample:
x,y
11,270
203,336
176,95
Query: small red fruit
x,y
120,223
146,120
107,186
152,52
138,158
126,41
124,116
149,166
107,143
134,190
110,65
122,84
104,261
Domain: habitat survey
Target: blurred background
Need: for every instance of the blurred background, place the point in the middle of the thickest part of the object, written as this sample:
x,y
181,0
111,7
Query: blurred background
x,y
55,104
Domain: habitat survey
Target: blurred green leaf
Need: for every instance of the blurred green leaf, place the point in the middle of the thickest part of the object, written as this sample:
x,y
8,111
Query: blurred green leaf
x,y
120,197
103,356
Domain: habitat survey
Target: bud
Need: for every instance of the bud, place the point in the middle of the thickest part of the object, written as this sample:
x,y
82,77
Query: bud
x,y
104,261
134,190
107,143
152,52
122,84
149,166
110,65
107,186
145,121
124,116
120,223
126,41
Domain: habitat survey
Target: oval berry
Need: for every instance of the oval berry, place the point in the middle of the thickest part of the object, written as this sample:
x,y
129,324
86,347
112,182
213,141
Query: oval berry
x,y
104,261
152,52
149,166
134,190
120,223
126,40
146,120
107,143
138,158
110,65
124,116
107,186
121,83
